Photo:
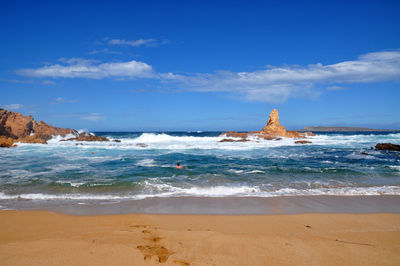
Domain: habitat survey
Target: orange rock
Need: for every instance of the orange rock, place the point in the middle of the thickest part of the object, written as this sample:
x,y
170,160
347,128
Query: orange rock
x,y
16,127
234,140
302,142
236,134
25,129
272,131
35,139
88,137
44,129
273,126
268,137
7,142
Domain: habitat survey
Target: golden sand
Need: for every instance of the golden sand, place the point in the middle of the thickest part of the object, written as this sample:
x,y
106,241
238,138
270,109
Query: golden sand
x,y
45,238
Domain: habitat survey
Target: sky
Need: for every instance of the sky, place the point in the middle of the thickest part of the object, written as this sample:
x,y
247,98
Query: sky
x,y
201,65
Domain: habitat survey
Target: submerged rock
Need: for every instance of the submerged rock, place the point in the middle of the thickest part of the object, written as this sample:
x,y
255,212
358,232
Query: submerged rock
x,y
387,147
85,136
302,141
142,145
268,137
234,140
236,134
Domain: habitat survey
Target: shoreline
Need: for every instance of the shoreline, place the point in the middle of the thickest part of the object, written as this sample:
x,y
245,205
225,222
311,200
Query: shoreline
x,y
48,238
219,205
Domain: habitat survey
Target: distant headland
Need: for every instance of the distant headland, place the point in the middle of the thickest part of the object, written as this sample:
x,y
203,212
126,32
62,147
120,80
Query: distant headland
x,y
345,129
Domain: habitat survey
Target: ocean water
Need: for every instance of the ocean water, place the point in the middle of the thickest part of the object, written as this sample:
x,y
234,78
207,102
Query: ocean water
x,y
142,165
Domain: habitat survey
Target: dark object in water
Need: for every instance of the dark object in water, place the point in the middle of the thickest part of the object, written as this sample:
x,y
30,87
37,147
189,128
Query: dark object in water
x,y
116,140
143,145
364,153
302,141
387,147
233,140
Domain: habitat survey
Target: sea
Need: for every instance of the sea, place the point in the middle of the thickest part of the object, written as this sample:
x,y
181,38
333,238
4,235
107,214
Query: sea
x,y
142,166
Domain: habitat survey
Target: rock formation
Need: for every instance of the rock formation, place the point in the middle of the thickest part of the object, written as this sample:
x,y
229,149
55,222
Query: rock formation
x,y
387,147
85,136
302,141
273,126
234,140
6,142
272,131
15,127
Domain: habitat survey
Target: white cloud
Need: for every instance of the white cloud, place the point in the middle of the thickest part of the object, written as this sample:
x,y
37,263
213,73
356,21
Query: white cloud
x,y
63,100
277,84
48,82
272,84
336,88
93,117
103,51
13,106
82,68
134,43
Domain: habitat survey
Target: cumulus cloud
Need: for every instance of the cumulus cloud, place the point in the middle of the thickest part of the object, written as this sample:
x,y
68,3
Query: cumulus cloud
x,y
13,106
93,117
336,88
63,100
83,68
103,51
276,84
134,43
48,82
272,84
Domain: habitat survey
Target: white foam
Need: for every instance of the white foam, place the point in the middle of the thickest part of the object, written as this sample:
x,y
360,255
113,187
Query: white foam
x,y
169,142
146,163
164,190
397,167
255,172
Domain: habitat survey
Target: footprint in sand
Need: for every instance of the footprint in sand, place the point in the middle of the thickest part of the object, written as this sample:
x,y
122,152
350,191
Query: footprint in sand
x,y
152,248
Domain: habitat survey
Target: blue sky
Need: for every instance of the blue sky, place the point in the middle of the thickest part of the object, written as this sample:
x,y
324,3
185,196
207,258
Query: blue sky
x,y
201,65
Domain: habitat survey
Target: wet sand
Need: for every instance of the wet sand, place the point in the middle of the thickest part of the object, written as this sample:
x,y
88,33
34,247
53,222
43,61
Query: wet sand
x,y
221,205
47,238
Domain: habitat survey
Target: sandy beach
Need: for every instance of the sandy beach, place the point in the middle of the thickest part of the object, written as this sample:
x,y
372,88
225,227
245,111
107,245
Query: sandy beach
x,y
48,238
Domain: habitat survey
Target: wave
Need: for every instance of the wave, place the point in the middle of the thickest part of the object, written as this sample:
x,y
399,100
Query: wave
x,y
165,190
183,142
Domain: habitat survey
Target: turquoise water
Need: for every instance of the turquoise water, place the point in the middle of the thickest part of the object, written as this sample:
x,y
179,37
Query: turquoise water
x,y
68,171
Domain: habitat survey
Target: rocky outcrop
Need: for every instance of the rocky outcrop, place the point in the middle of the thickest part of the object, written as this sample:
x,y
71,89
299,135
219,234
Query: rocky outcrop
x,y
234,140
85,136
272,131
25,129
387,147
302,141
15,127
7,142
273,126
232,134
268,137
